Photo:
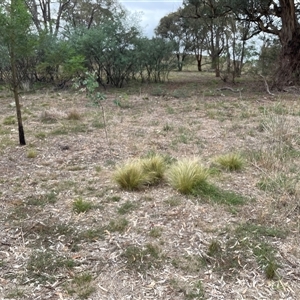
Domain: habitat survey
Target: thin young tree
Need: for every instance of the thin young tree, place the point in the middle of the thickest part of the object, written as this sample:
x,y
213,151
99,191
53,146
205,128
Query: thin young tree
x,y
14,31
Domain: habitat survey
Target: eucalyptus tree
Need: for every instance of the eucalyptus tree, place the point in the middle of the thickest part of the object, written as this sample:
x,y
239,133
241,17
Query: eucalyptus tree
x,y
53,17
268,55
175,29
238,48
89,13
198,30
213,15
15,36
47,15
279,18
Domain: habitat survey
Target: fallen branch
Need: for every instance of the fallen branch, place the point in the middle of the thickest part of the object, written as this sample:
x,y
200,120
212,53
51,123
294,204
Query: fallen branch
x,y
267,86
231,89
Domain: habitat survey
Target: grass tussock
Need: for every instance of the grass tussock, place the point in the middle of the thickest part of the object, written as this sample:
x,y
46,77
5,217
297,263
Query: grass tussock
x,y
31,153
139,172
230,162
80,206
52,115
154,167
131,175
186,174
74,115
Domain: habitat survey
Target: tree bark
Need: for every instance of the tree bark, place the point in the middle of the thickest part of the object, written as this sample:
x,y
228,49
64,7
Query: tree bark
x,y
289,35
199,62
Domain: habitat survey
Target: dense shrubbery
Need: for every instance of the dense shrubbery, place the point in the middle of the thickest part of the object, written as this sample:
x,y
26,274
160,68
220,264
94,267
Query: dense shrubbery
x,y
115,51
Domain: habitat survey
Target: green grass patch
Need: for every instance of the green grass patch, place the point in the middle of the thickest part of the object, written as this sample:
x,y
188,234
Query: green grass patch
x,y
80,206
180,94
45,234
158,91
43,199
126,208
279,183
44,265
60,131
168,127
189,263
10,120
196,291
92,234
215,194
78,128
255,237
118,225
113,199
143,258
261,230
98,124
173,201
15,293
40,135
155,232
81,285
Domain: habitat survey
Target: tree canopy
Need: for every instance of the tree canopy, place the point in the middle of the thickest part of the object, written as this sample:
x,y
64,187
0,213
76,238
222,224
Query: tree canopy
x,y
279,18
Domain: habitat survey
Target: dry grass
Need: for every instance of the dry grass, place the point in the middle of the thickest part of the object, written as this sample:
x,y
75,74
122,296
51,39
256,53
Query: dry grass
x,y
153,242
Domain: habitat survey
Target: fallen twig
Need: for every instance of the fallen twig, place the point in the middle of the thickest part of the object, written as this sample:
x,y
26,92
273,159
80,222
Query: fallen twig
x,y
267,86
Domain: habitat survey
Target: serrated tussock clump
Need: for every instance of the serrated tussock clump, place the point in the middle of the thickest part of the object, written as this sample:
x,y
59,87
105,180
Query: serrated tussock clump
x,y
154,167
131,175
134,174
186,174
230,161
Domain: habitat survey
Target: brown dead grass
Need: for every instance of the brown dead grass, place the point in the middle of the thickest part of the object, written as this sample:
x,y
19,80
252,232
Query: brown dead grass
x,y
74,161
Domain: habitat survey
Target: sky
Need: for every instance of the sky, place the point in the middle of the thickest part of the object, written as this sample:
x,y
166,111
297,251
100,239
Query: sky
x,y
151,11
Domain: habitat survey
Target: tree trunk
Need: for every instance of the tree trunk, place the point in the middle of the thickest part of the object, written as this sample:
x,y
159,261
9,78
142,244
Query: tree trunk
x,y
289,63
199,62
215,64
289,35
15,87
179,62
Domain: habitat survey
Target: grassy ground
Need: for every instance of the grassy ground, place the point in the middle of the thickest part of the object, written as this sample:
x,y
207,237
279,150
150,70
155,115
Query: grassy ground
x,y
68,231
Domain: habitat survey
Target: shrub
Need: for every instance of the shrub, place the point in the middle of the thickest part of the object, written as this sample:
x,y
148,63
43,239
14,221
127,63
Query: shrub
x,y
186,174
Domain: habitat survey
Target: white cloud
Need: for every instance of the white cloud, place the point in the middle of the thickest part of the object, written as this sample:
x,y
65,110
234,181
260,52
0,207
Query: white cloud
x,y
152,12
